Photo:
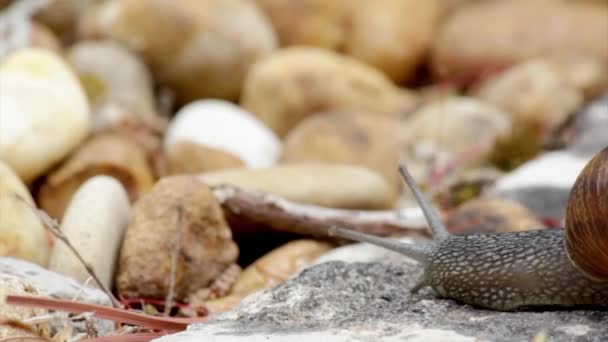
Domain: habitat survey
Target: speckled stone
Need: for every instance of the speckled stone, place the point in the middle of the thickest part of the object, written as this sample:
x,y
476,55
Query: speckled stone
x,y
370,301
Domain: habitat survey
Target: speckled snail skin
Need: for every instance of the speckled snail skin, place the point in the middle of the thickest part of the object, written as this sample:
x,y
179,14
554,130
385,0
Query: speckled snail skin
x,y
511,271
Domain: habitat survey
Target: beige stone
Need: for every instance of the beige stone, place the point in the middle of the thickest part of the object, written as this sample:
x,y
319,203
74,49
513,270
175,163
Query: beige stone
x,y
391,35
297,82
200,48
328,185
206,249
22,234
349,138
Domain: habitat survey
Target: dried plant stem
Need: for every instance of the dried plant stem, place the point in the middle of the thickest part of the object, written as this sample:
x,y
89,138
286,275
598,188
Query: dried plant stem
x,y
168,324
179,224
249,211
52,226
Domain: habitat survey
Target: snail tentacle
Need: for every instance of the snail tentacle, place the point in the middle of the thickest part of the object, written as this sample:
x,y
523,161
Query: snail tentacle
x,y
419,251
440,232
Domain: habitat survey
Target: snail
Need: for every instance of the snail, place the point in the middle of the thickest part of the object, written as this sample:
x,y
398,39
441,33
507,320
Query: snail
x,y
521,270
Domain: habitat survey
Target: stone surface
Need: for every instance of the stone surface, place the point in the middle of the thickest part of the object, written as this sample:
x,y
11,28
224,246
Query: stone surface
x,y
296,82
369,301
95,222
336,186
118,84
22,234
19,286
543,184
351,138
455,130
227,127
45,114
178,210
199,48
52,284
104,154
391,35
489,34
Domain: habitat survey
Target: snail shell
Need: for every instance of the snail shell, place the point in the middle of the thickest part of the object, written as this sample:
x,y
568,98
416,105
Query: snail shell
x,y
587,219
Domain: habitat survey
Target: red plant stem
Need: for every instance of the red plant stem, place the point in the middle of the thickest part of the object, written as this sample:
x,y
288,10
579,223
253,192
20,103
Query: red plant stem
x,y
168,324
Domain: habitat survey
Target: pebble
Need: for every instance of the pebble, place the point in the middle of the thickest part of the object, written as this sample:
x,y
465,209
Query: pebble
x,y
118,84
45,114
177,206
349,138
328,185
226,127
297,82
94,222
22,234
489,34
391,35
200,49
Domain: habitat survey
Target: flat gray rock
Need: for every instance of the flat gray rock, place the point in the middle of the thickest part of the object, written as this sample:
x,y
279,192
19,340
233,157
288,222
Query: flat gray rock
x,y
52,284
370,301
543,184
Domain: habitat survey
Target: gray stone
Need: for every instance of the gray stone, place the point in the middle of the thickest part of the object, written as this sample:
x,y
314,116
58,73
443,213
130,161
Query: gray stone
x,y
370,301
56,285
591,127
52,284
543,184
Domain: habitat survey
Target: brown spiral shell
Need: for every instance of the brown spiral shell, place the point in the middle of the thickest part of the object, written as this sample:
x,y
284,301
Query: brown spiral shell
x,y
587,219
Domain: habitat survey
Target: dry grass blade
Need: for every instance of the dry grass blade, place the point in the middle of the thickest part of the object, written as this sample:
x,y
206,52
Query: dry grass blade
x,y
169,324
51,225
26,328
174,256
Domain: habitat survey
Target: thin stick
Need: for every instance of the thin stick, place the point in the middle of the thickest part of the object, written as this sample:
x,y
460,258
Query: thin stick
x,y
250,211
51,225
174,257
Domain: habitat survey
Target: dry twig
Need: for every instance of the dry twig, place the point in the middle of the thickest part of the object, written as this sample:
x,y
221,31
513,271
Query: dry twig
x,y
250,210
174,256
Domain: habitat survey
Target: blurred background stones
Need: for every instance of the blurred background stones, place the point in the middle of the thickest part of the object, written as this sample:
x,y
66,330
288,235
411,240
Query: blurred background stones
x,y
121,119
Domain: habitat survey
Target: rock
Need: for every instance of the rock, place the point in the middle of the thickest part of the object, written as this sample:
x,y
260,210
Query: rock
x,y
346,138
198,48
491,34
278,265
591,125
177,206
105,154
348,301
94,223
456,130
224,126
326,185
45,114
188,157
21,232
17,286
588,74
42,37
117,83
491,215
538,186
62,15
297,82
534,93
391,35
52,284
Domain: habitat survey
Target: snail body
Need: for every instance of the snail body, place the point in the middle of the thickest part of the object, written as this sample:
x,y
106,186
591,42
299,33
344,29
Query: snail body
x,y
511,271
